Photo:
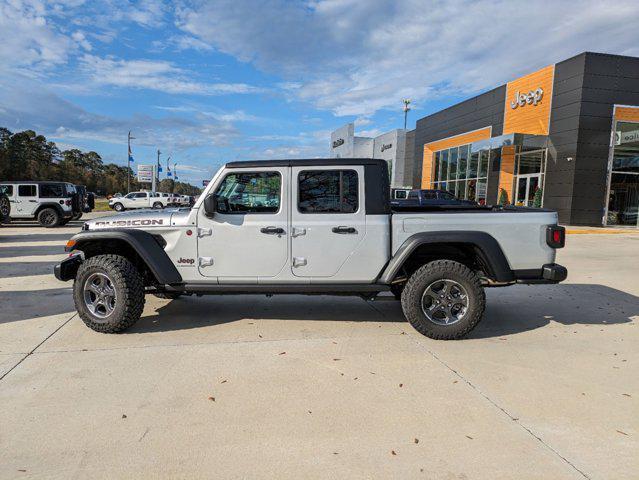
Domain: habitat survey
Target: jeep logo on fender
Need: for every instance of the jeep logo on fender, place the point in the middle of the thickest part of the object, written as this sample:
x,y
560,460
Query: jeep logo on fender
x,y
130,223
532,97
186,261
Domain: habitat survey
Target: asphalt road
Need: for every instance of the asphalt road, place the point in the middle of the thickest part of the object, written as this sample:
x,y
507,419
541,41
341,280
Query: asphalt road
x,y
321,387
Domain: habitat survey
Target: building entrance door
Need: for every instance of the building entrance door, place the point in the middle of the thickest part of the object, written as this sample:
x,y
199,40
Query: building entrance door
x,y
527,185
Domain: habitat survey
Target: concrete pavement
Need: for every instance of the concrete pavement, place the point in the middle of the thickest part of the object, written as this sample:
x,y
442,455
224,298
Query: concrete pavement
x,y
317,387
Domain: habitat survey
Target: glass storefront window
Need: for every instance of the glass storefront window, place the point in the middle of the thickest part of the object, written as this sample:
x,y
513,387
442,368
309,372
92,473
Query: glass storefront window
x,y
443,174
623,199
436,157
452,164
481,192
483,163
472,165
463,161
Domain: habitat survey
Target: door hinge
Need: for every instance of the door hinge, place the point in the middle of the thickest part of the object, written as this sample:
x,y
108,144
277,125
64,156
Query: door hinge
x,y
204,232
299,261
205,261
297,232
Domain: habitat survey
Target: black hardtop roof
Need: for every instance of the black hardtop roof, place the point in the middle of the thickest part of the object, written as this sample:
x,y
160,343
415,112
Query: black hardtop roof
x,y
306,162
35,182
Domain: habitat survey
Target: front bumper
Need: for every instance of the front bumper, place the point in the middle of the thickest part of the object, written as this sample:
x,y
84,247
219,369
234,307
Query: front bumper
x,y
549,273
67,268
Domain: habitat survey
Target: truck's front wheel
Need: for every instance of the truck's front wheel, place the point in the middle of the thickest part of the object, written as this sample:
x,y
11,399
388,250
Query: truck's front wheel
x,y
443,300
108,293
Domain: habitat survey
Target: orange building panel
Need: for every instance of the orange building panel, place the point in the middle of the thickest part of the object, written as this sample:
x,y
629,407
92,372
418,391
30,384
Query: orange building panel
x,y
507,171
628,114
528,102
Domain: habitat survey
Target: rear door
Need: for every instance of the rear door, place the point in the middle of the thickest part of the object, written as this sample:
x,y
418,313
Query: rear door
x,y
328,218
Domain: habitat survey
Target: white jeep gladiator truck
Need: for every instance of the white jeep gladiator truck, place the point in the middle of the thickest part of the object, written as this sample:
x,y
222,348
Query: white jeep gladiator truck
x,y
311,227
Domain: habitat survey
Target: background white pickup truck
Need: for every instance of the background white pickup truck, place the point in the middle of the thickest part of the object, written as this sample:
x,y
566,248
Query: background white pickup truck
x,y
135,200
312,227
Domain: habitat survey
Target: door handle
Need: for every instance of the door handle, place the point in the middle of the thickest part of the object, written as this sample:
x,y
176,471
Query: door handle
x,y
344,230
272,230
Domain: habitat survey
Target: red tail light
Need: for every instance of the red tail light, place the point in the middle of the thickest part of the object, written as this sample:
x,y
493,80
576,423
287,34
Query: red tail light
x,y
556,236
68,202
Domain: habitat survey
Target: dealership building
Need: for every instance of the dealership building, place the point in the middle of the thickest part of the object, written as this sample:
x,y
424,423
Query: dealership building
x,y
396,147
565,137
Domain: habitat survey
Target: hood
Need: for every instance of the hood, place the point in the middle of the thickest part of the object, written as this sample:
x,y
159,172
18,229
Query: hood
x,y
133,219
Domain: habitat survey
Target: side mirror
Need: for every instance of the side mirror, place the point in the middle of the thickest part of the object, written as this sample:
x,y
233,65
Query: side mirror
x,y
210,205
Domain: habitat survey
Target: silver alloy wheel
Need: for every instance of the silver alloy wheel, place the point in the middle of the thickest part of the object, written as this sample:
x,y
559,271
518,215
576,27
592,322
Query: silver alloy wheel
x,y
99,295
445,302
49,217
118,207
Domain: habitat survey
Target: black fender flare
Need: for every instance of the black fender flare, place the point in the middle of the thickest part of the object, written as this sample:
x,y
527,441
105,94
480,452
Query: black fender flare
x,y
42,206
485,245
142,242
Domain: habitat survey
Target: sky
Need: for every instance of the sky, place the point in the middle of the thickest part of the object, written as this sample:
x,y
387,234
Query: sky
x,y
217,81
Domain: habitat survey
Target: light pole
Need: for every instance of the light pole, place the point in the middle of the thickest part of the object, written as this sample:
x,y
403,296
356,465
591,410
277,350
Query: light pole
x,y
406,110
128,164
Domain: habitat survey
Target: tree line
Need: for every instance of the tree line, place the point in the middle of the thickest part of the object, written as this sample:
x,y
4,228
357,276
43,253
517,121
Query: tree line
x,y
29,156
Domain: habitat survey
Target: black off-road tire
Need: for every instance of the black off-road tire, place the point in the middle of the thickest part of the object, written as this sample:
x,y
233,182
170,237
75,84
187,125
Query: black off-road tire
x,y
5,208
49,218
167,295
76,216
64,221
158,206
427,275
118,207
129,287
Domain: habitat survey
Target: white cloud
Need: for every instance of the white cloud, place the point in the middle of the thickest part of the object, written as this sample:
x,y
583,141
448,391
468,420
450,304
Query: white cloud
x,y
27,39
162,76
356,57
28,105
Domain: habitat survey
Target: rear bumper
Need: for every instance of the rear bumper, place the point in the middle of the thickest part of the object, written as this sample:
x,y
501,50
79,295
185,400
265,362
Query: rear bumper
x,y
549,273
67,268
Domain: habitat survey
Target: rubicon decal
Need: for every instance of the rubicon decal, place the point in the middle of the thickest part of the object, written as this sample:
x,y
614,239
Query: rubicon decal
x,y
130,223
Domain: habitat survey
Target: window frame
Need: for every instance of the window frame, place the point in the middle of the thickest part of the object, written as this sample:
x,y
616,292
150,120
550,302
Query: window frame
x,y
341,171
35,189
228,174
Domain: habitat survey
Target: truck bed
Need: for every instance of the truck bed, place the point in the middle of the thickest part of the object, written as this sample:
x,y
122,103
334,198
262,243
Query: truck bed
x,y
520,232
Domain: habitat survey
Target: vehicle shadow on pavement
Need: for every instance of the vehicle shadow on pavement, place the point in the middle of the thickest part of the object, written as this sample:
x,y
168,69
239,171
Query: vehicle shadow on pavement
x,y
196,312
16,306
30,237
523,308
29,251
510,311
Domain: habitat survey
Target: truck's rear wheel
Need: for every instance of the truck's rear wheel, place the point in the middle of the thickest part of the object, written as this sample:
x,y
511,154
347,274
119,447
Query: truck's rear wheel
x,y
108,293
77,216
49,217
158,206
443,300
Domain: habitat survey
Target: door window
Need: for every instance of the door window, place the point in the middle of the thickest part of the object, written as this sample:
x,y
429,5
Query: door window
x,y
327,191
251,192
26,190
140,195
7,190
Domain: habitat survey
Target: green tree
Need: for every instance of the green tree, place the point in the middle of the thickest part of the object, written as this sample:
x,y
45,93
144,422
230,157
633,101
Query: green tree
x,y
503,197
538,198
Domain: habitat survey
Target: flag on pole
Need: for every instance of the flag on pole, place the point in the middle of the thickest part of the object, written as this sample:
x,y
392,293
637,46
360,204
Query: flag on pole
x,y
130,155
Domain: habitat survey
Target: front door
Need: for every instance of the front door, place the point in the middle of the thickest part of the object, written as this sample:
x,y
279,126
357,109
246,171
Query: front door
x,y
328,219
527,186
26,200
247,238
